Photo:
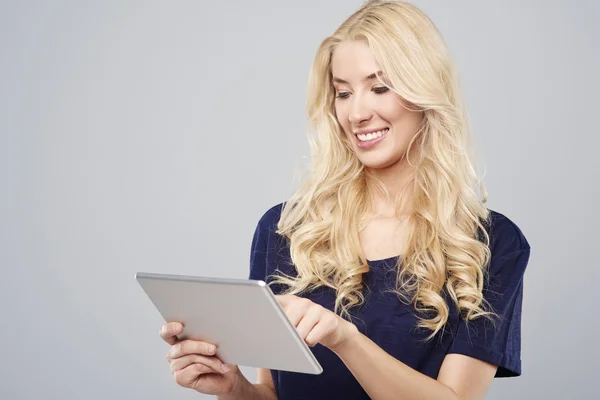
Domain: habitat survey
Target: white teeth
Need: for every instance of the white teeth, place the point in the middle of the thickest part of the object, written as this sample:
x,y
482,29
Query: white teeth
x,y
372,135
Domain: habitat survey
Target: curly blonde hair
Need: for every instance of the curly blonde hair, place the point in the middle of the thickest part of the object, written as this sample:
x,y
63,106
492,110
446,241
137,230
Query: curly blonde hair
x,y
448,245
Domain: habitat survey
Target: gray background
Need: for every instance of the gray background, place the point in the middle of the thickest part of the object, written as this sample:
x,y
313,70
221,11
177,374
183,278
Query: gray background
x,y
152,136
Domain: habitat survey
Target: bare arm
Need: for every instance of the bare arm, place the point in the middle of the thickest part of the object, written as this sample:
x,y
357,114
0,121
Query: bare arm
x,y
384,377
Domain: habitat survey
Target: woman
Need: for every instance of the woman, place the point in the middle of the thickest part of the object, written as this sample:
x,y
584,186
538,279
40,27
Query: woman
x,y
385,259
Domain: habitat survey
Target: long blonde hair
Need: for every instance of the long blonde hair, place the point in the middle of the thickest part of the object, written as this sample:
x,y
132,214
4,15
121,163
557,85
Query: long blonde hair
x,y
448,246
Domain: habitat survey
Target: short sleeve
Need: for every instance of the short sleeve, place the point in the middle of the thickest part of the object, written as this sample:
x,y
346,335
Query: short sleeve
x,y
499,341
258,254
265,245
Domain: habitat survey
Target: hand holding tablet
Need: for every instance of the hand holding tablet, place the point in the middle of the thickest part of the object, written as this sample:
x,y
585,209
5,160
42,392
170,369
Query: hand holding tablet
x,y
195,366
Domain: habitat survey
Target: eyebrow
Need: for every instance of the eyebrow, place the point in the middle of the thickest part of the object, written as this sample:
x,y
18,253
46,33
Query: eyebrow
x,y
372,76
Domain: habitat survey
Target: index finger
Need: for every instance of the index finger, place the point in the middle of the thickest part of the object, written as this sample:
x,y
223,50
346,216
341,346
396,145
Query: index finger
x,y
169,332
284,299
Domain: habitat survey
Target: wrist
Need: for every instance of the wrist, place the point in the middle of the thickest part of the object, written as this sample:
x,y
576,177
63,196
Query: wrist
x,y
351,335
239,389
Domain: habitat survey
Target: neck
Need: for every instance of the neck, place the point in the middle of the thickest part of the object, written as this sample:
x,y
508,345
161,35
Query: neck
x,y
397,180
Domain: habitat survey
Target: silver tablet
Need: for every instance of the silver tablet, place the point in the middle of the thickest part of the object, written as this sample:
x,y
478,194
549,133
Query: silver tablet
x,y
241,316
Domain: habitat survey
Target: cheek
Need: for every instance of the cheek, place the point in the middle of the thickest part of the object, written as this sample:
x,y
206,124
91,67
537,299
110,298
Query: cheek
x,y
342,118
392,111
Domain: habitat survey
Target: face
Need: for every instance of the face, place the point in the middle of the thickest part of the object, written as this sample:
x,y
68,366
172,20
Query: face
x,y
374,118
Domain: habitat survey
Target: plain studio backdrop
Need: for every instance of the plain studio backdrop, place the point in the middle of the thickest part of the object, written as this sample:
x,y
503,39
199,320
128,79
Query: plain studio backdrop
x,y
152,136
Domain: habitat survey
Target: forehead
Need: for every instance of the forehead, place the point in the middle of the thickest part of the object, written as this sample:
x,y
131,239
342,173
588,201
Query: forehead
x,y
352,61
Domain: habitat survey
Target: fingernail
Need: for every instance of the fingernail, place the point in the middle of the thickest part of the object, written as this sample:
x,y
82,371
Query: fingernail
x,y
225,368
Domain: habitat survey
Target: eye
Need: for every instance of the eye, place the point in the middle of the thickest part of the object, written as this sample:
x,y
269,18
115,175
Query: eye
x,y
381,89
342,95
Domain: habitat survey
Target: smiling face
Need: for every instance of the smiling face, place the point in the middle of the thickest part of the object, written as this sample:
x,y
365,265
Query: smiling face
x,y
373,117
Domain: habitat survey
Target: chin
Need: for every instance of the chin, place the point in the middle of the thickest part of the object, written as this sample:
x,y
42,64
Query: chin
x,y
377,164
381,162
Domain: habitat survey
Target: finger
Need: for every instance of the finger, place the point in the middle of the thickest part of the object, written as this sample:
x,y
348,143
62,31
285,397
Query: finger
x,y
295,312
189,346
213,363
295,316
285,300
317,333
187,376
308,321
169,331
282,299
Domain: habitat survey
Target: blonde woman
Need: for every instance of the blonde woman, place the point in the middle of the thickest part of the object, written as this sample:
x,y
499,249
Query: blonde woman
x,y
386,259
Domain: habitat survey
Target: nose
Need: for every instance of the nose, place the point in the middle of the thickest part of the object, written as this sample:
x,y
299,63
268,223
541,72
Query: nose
x,y
359,111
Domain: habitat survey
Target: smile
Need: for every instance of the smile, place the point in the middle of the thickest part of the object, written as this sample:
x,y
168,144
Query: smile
x,y
369,140
371,136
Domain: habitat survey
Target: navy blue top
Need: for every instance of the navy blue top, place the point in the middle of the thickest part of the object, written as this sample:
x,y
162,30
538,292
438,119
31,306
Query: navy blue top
x,y
391,324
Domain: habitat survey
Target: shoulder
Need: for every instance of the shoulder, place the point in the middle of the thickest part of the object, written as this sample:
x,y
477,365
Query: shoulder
x,y
265,233
509,250
506,236
270,218
269,250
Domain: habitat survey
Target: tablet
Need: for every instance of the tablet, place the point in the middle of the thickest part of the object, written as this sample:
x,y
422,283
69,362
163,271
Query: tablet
x,y
241,316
